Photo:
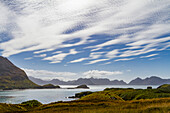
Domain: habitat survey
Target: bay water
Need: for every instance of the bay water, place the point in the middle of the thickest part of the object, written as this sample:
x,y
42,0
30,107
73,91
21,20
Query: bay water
x,y
46,96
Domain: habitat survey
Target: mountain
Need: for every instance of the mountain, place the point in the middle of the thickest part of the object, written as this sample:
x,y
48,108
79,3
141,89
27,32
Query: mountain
x,y
117,82
149,81
12,77
105,81
37,80
136,81
57,82
43,82
80,81
153,80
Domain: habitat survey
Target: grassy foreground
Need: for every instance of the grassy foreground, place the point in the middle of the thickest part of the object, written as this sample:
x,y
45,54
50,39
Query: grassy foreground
x,y
111,100
140,106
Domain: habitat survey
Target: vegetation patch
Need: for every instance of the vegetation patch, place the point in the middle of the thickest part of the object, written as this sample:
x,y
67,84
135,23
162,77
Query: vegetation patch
x,y
31,104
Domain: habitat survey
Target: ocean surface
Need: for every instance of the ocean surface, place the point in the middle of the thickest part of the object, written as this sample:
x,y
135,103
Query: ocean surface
x,y
53,95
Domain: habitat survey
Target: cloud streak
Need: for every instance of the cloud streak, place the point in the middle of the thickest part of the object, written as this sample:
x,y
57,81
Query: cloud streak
x,y
44,74
101,74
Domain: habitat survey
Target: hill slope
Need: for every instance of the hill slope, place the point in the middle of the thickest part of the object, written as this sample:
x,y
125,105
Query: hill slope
x,y
12,77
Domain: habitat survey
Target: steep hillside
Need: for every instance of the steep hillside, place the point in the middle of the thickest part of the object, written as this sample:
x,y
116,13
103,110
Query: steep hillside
x,y
12,77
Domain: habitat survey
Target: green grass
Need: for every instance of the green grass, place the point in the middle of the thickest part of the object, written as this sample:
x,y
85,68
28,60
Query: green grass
x,y
31,104
136,94
164,88
139,106
102,96
7,82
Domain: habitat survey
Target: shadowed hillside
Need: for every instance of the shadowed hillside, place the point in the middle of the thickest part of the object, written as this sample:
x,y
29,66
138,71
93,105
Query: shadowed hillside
x,y
12,77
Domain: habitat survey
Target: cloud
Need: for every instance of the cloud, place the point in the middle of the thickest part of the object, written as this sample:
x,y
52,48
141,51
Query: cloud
x,y
94,55
41,55
112,54
28,58
96,61
58,58
78,60
48,75
6,17
153,58
106,63
124,59
129,53
44,74
151,55
134,28
99,74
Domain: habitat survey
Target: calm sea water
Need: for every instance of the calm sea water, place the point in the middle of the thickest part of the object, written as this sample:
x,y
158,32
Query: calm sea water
x,y
53,95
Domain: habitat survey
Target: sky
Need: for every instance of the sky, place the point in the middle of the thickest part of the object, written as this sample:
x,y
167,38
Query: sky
x,y
69,39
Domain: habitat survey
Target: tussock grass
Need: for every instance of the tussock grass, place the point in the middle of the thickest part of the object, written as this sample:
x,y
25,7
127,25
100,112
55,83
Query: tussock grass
x,y
159,105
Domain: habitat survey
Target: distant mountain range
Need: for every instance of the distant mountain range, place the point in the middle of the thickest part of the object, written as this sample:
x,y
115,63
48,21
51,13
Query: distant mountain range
x,y
87,81
103,81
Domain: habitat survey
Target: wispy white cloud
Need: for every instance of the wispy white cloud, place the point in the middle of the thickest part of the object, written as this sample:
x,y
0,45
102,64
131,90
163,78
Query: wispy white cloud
x,y
28,58
94,55
112,54
124,59
154,58
78,60
44,74
99,74
45,25
129,53
151,55
6,17
41,55
59,57
96,61
106,63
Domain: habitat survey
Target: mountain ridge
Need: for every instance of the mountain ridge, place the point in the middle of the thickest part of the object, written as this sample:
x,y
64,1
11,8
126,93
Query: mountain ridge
x,y
80,81
153,80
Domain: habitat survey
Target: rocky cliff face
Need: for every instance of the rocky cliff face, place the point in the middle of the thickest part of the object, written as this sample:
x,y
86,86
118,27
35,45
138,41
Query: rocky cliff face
x,y
12,77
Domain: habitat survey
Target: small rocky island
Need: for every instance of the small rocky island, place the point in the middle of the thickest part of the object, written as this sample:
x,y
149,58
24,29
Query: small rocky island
x,y
80,86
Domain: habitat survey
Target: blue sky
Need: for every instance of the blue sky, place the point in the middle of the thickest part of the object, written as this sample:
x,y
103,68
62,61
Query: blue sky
x,y
69,39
